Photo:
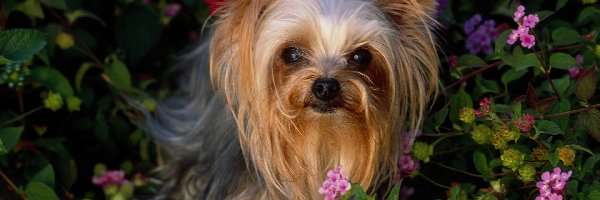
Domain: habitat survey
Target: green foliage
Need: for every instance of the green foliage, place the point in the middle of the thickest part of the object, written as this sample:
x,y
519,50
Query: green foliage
x,y
86,56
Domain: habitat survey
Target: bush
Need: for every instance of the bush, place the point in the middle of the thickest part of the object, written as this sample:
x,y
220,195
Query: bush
x,y
519,102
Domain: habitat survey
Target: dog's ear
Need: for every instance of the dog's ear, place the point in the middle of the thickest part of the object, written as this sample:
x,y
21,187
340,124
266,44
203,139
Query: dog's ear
x,y
407,11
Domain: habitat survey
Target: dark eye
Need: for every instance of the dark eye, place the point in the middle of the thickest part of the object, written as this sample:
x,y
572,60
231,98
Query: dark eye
x,y
291,55
361,57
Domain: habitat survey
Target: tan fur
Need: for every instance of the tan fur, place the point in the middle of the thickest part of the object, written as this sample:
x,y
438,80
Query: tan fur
x,y
291,146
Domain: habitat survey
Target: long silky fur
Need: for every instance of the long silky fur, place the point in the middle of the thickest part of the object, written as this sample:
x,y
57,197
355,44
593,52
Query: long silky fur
x,y
238,131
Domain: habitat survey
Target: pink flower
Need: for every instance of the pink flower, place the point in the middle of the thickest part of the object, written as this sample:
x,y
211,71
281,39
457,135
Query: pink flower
x,y
336,185
527,40
513,37
453,60
519,13
574,72
524,123
552,185
484,108
525,24
172,9
214,5
111,177
146,2
531,20
406,191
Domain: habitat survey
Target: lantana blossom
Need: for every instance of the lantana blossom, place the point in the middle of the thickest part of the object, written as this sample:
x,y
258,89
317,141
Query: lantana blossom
x,y
526,24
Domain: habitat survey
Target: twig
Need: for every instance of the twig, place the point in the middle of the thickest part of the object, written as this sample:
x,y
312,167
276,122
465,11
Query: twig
x,y
12,185
545,67
471,75
572,112
21,116
432,181
456,170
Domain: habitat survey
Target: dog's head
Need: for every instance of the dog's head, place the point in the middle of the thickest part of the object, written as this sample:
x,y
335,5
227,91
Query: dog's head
x,y
314,83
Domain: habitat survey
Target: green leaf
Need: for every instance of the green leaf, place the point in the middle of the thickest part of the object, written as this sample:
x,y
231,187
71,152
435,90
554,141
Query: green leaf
x,y
563,106
460,100
511,75
485,86
101,130
580,148
553,158
509,59
58,4
548,127
39,191
31,8
46,176
565,36
10,136
526,61
481,163
440,117
560,4
137,29
594,195
586,84
52,79
544,14
20,44
590,120
118,73
588,166
469,60
562,61
395,193
81,73
501,40
78,14
587,14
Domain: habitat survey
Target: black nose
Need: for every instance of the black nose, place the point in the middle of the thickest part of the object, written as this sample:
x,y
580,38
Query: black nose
x,y
326,89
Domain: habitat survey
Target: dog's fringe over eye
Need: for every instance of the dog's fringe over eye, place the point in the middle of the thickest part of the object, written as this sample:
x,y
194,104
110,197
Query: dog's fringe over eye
x,y
291,55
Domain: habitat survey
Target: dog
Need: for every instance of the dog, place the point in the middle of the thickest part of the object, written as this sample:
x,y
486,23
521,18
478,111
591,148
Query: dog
x,y
281,91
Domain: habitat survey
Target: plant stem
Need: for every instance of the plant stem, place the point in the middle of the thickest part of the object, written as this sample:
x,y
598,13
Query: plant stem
x,y
542,58
432,181
12,185
572,112
22,116
472,74
457,170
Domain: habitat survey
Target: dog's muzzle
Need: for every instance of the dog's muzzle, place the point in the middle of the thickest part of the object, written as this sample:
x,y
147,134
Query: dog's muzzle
x,y
326,89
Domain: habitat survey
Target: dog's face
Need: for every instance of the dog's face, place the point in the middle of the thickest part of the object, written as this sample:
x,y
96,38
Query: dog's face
x,y
316,83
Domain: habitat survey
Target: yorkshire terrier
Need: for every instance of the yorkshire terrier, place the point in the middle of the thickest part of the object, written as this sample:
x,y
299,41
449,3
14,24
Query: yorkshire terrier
x,y
281,91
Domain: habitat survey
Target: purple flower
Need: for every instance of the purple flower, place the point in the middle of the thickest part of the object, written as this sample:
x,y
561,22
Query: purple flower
x,y
471,23
519,13
527,40
111,177
172,9
579,59
480,39
406,191
442,4
336,185
574,72
531,20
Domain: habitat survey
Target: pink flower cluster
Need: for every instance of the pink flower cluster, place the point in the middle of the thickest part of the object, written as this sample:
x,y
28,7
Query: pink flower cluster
x,y
484,108
336,185
524,123
172,9
111,177
525,24
553,185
